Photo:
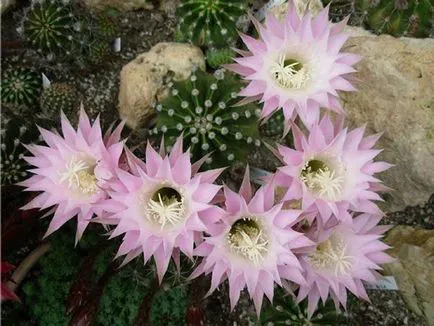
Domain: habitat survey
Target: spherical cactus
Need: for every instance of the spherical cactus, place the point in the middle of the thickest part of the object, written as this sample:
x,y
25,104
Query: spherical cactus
x,y
210,22
14,131
49,26
202,109
60,97
398,17
218,57
98,51
273,126
20,86
106,26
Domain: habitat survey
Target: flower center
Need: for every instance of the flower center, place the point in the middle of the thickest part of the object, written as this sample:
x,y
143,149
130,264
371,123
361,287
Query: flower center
x,y
247,239
290,73
80,176
331,255
321,179
166,207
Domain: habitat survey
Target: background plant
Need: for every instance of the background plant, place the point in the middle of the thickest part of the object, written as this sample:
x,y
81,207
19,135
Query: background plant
x,y
20,86
397,17
209,22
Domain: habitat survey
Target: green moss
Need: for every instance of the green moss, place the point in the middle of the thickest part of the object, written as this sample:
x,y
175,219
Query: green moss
x,y
169,307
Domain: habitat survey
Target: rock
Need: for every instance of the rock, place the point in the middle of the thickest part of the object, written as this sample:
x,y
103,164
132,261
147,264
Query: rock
x,y
5,5
123,5
414,268
169,6
315,6
142,81
396,97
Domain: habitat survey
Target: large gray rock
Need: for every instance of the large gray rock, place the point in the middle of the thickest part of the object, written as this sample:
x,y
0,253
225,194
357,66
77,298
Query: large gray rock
x,y
142,81
414,267
396,96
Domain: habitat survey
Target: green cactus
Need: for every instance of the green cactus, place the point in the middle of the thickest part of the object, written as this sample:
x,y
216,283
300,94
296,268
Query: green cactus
x,y
14,131
98,51
218,57
202,109
60,97
285,311
20,86
210,22
398,17
49,26
274,125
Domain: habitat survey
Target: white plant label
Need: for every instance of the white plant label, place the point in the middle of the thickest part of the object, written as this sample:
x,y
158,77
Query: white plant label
x,y
46,83
260,15
386,283
117,45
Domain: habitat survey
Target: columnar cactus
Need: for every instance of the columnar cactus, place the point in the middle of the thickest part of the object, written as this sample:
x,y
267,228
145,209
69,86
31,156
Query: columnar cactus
x,y
202,110
398,17
210,22
20,86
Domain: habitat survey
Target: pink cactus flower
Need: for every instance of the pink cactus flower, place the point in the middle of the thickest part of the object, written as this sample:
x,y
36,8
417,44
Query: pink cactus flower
x,y
345,255
252,245
72,171
161,206
332,169
296,65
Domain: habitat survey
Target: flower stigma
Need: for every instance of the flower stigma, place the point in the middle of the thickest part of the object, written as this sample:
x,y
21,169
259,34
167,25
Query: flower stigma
x,y
290,73
166,207
80,176
331,255
247,239
321,179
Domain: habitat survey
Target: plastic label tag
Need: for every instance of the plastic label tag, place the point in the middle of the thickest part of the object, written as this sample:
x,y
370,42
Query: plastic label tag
x,y
386,283
46,83
260,15
117,45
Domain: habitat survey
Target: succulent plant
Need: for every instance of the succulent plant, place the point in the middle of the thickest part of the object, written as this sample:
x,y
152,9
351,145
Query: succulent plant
x,y
202,108
98,51
398,17
210,22
14,131
50,26
273,126
60,96
20,86
218,57
285,311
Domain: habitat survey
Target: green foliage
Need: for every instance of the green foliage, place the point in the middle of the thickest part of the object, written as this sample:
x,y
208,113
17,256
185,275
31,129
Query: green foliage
x,y
122,296
202,108
398,17
20,86
14,131
274,125
218,57
210,22
60,97
49,26
285,311
168,307
46,294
